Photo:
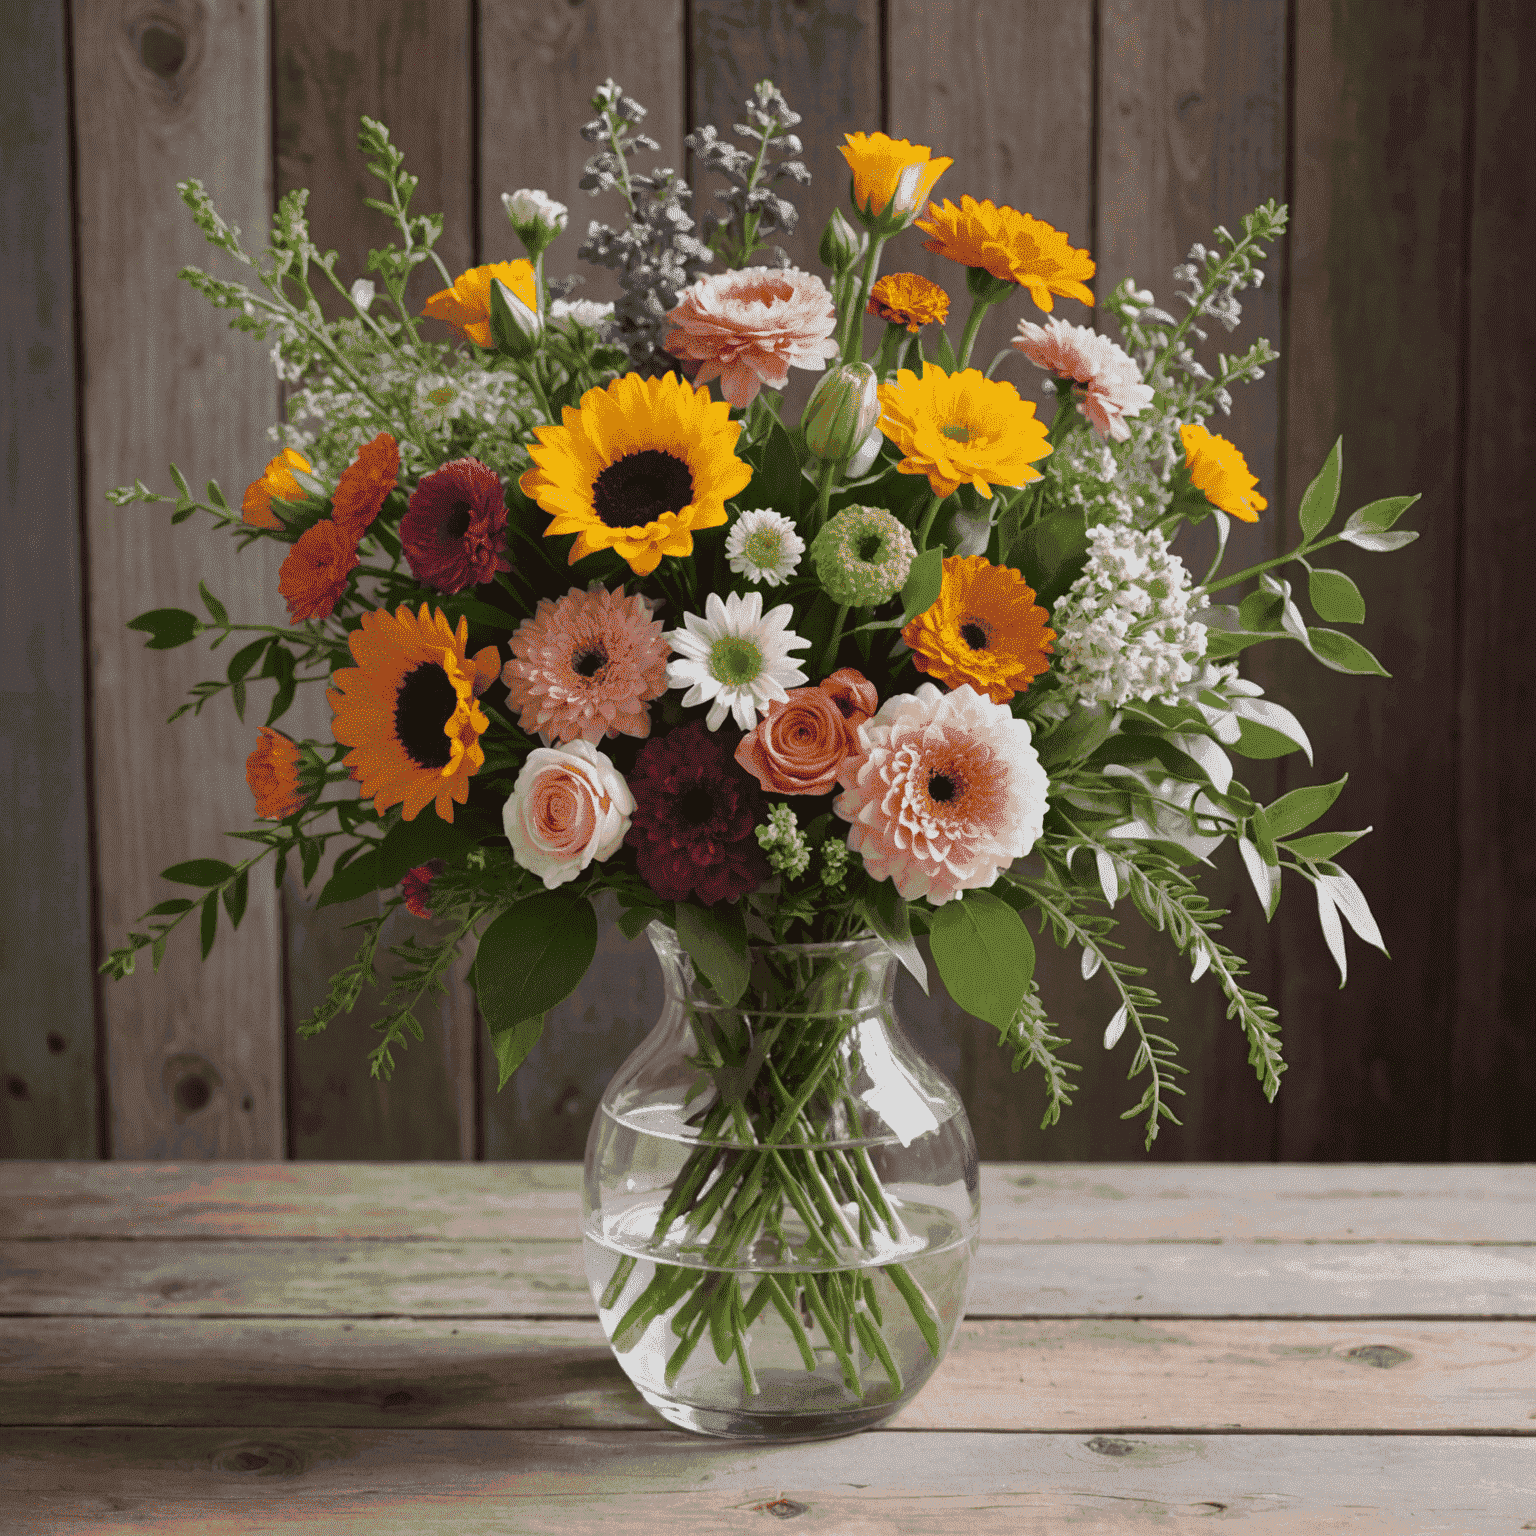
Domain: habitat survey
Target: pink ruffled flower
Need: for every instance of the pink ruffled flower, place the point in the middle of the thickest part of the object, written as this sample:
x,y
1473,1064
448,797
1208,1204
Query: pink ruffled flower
x,y
748,328
1112,387
944,791
586,665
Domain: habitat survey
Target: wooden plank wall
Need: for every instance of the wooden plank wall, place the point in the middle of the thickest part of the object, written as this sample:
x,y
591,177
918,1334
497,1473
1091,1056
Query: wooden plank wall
x,y
1404,303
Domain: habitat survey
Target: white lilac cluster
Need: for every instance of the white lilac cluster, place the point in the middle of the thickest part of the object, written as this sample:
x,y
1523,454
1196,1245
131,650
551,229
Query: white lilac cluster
x,y
1124,628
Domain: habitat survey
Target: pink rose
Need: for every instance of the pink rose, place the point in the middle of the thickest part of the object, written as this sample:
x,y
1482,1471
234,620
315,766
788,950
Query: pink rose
x,y
569,806
799,745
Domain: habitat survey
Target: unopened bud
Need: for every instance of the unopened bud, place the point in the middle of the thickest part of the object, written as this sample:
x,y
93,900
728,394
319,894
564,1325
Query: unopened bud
x,y
842,409
909,191
536,217
516,330
841,245
863,461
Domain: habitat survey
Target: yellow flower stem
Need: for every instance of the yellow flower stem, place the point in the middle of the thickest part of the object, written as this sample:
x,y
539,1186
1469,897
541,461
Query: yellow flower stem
x,y
926,524
829,656
979,307
824,493
886,361
853,346
529,373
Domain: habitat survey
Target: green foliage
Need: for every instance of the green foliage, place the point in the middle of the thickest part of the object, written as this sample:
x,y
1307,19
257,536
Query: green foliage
x,y
1034,1044
533,956
985,955
716,941
924,581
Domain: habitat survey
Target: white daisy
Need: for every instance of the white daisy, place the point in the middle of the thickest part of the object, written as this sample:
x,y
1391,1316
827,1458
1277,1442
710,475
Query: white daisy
x,y
737,656
763,546
438,400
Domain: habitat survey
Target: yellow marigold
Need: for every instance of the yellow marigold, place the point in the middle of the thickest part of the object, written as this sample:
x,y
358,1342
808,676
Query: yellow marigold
x,y
880,167
1012,246
962,429
985,629
272,771
276,480
1218,468
906,299
467,305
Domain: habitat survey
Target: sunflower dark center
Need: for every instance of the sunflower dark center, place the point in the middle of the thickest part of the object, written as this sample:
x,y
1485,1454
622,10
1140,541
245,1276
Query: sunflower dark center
x,y
974,635
456,524
695,806
638,488
870,546
941,788
590,662
424,705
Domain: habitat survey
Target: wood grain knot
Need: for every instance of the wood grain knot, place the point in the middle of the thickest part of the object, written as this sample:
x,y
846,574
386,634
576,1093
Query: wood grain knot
x,y
1382,1356
190,1083
784,1509
17,1088
1107,1447
261,1458
397,1400
165,40
161,50
56,1042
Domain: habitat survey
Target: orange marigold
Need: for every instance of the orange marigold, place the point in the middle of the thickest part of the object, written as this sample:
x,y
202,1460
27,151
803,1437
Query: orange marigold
x,y
272,771
904,298
316,572
364,484
985,629
1219,469
276,480
467,305
1012,246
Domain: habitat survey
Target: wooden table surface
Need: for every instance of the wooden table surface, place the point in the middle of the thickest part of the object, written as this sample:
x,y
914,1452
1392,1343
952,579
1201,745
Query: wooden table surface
x,y
225,1347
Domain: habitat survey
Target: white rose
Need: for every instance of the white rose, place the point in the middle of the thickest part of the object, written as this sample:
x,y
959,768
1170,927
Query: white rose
x,y
527,207
570,805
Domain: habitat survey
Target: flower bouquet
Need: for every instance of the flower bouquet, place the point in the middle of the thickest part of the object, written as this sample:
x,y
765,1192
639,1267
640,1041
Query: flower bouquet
x,y
595,617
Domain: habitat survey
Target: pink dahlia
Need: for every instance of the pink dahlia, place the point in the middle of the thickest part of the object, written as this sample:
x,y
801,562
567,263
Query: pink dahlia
x,y
944,791
454,531
747,328
1112,387
585,666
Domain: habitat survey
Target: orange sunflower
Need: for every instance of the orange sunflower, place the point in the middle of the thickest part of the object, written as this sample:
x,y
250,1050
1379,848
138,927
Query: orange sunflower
x,y
889,171
904,298
1012,246
409,711
272,771
467,305
985,629
364,484
276,480
637,469
316,572
962,429
1218,468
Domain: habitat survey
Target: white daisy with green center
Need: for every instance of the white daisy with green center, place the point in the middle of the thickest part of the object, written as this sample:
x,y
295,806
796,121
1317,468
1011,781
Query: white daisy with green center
x,y
763,546
736,658
438,400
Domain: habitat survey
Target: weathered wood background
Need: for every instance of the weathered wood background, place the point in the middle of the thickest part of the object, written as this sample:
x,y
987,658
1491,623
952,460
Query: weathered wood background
x,y
1404,302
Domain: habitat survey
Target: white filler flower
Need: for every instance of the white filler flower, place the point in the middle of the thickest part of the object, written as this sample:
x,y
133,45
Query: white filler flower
x,y
737,656
763,546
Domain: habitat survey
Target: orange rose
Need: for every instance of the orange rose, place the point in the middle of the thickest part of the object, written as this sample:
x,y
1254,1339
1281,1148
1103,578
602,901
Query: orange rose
x,y
798,746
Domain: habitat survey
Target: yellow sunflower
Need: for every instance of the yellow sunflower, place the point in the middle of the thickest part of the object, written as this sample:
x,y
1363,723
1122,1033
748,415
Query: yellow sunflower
x,y
962,429
637,469
467,305
904,298
1219,469
1012,246
985,629
883,173
408,709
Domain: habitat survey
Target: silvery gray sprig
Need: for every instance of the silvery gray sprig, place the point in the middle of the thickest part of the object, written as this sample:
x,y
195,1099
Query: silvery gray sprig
x,y
752,208
656,254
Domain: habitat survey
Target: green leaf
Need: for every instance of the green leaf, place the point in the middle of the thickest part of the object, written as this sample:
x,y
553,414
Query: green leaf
x,y
408,844
776,482
1290,813
1335,597
1335,649
1378,543
1260,741
209,925
891,919
1083,732
279,664
359,876
212,604
945,355
171,908
1380,515
1324,845
716,941
216,497
633,921
1265,876
182,489
1321,498
199,872
1051,554
924,582
985,955
512,1046
166,627
235,895
533,956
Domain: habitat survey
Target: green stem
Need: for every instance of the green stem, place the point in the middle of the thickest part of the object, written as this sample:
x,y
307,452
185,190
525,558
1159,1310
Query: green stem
x,y
979,307
829,657
824,493
925,525
1299,553
853,345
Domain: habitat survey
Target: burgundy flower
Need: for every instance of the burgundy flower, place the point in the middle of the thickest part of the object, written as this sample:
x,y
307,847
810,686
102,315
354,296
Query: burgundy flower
x,y
695,811
417,887
454,532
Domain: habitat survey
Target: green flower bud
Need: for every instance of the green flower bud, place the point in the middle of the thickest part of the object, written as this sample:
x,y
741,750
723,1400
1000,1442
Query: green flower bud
x,y
863,556
841,412
841,244
537,218
516,330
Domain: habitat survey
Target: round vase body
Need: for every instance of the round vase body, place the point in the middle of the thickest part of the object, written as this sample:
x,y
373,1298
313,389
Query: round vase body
x,y
781,1201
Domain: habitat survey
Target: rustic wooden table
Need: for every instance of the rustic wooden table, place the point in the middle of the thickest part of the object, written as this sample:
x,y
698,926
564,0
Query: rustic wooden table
x,y
410,1348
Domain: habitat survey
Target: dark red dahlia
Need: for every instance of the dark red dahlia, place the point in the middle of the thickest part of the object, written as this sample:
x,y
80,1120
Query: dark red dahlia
x,y
695,811
417,887
454,532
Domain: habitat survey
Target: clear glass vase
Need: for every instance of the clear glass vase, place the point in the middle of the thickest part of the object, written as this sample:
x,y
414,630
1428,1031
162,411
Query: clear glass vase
x,y
781,1200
